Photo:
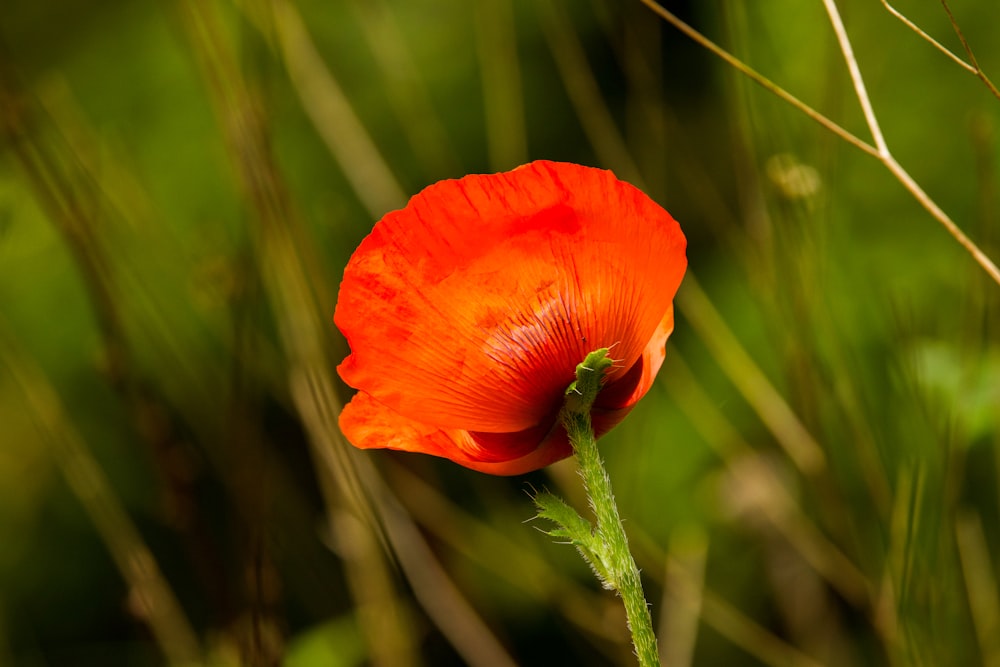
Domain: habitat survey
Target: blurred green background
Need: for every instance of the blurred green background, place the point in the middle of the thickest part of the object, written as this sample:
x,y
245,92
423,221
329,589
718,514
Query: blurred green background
x,y
811,481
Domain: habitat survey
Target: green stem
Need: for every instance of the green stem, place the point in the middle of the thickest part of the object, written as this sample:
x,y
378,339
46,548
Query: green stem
x,y
621,568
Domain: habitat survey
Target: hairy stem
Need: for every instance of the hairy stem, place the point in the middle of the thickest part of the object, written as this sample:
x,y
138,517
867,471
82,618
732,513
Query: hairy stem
x,y
622,572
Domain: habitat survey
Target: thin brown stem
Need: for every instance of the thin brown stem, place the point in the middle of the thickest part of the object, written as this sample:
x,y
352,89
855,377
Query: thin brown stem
x,y
859,83
760,79
880,150
927,38
976,69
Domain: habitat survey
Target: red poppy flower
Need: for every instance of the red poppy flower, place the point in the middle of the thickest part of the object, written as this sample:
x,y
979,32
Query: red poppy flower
x,y
468,311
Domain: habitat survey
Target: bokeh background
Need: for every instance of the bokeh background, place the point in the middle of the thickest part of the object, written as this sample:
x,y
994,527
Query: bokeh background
x,y
811,481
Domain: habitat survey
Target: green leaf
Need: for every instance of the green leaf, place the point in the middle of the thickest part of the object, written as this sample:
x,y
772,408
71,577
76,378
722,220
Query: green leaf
x,y
579,532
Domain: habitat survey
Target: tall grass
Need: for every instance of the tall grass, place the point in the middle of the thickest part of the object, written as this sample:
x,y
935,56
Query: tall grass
x,y
812,480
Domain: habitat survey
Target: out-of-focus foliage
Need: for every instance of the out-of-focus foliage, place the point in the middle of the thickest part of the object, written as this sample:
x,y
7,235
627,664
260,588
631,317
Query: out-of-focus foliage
x,y
813,479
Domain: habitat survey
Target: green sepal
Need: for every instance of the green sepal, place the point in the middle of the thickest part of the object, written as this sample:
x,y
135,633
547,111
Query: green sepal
x,y
581,394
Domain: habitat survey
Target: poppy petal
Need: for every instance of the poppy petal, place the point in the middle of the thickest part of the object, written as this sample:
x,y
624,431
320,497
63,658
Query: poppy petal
x,y
470,308
370,425
626,391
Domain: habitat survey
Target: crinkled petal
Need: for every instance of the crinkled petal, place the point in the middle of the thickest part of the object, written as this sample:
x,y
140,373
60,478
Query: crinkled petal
x,y
626,391
368,424
470,308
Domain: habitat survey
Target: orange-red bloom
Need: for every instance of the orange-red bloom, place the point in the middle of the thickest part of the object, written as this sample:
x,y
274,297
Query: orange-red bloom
x,y
468,311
